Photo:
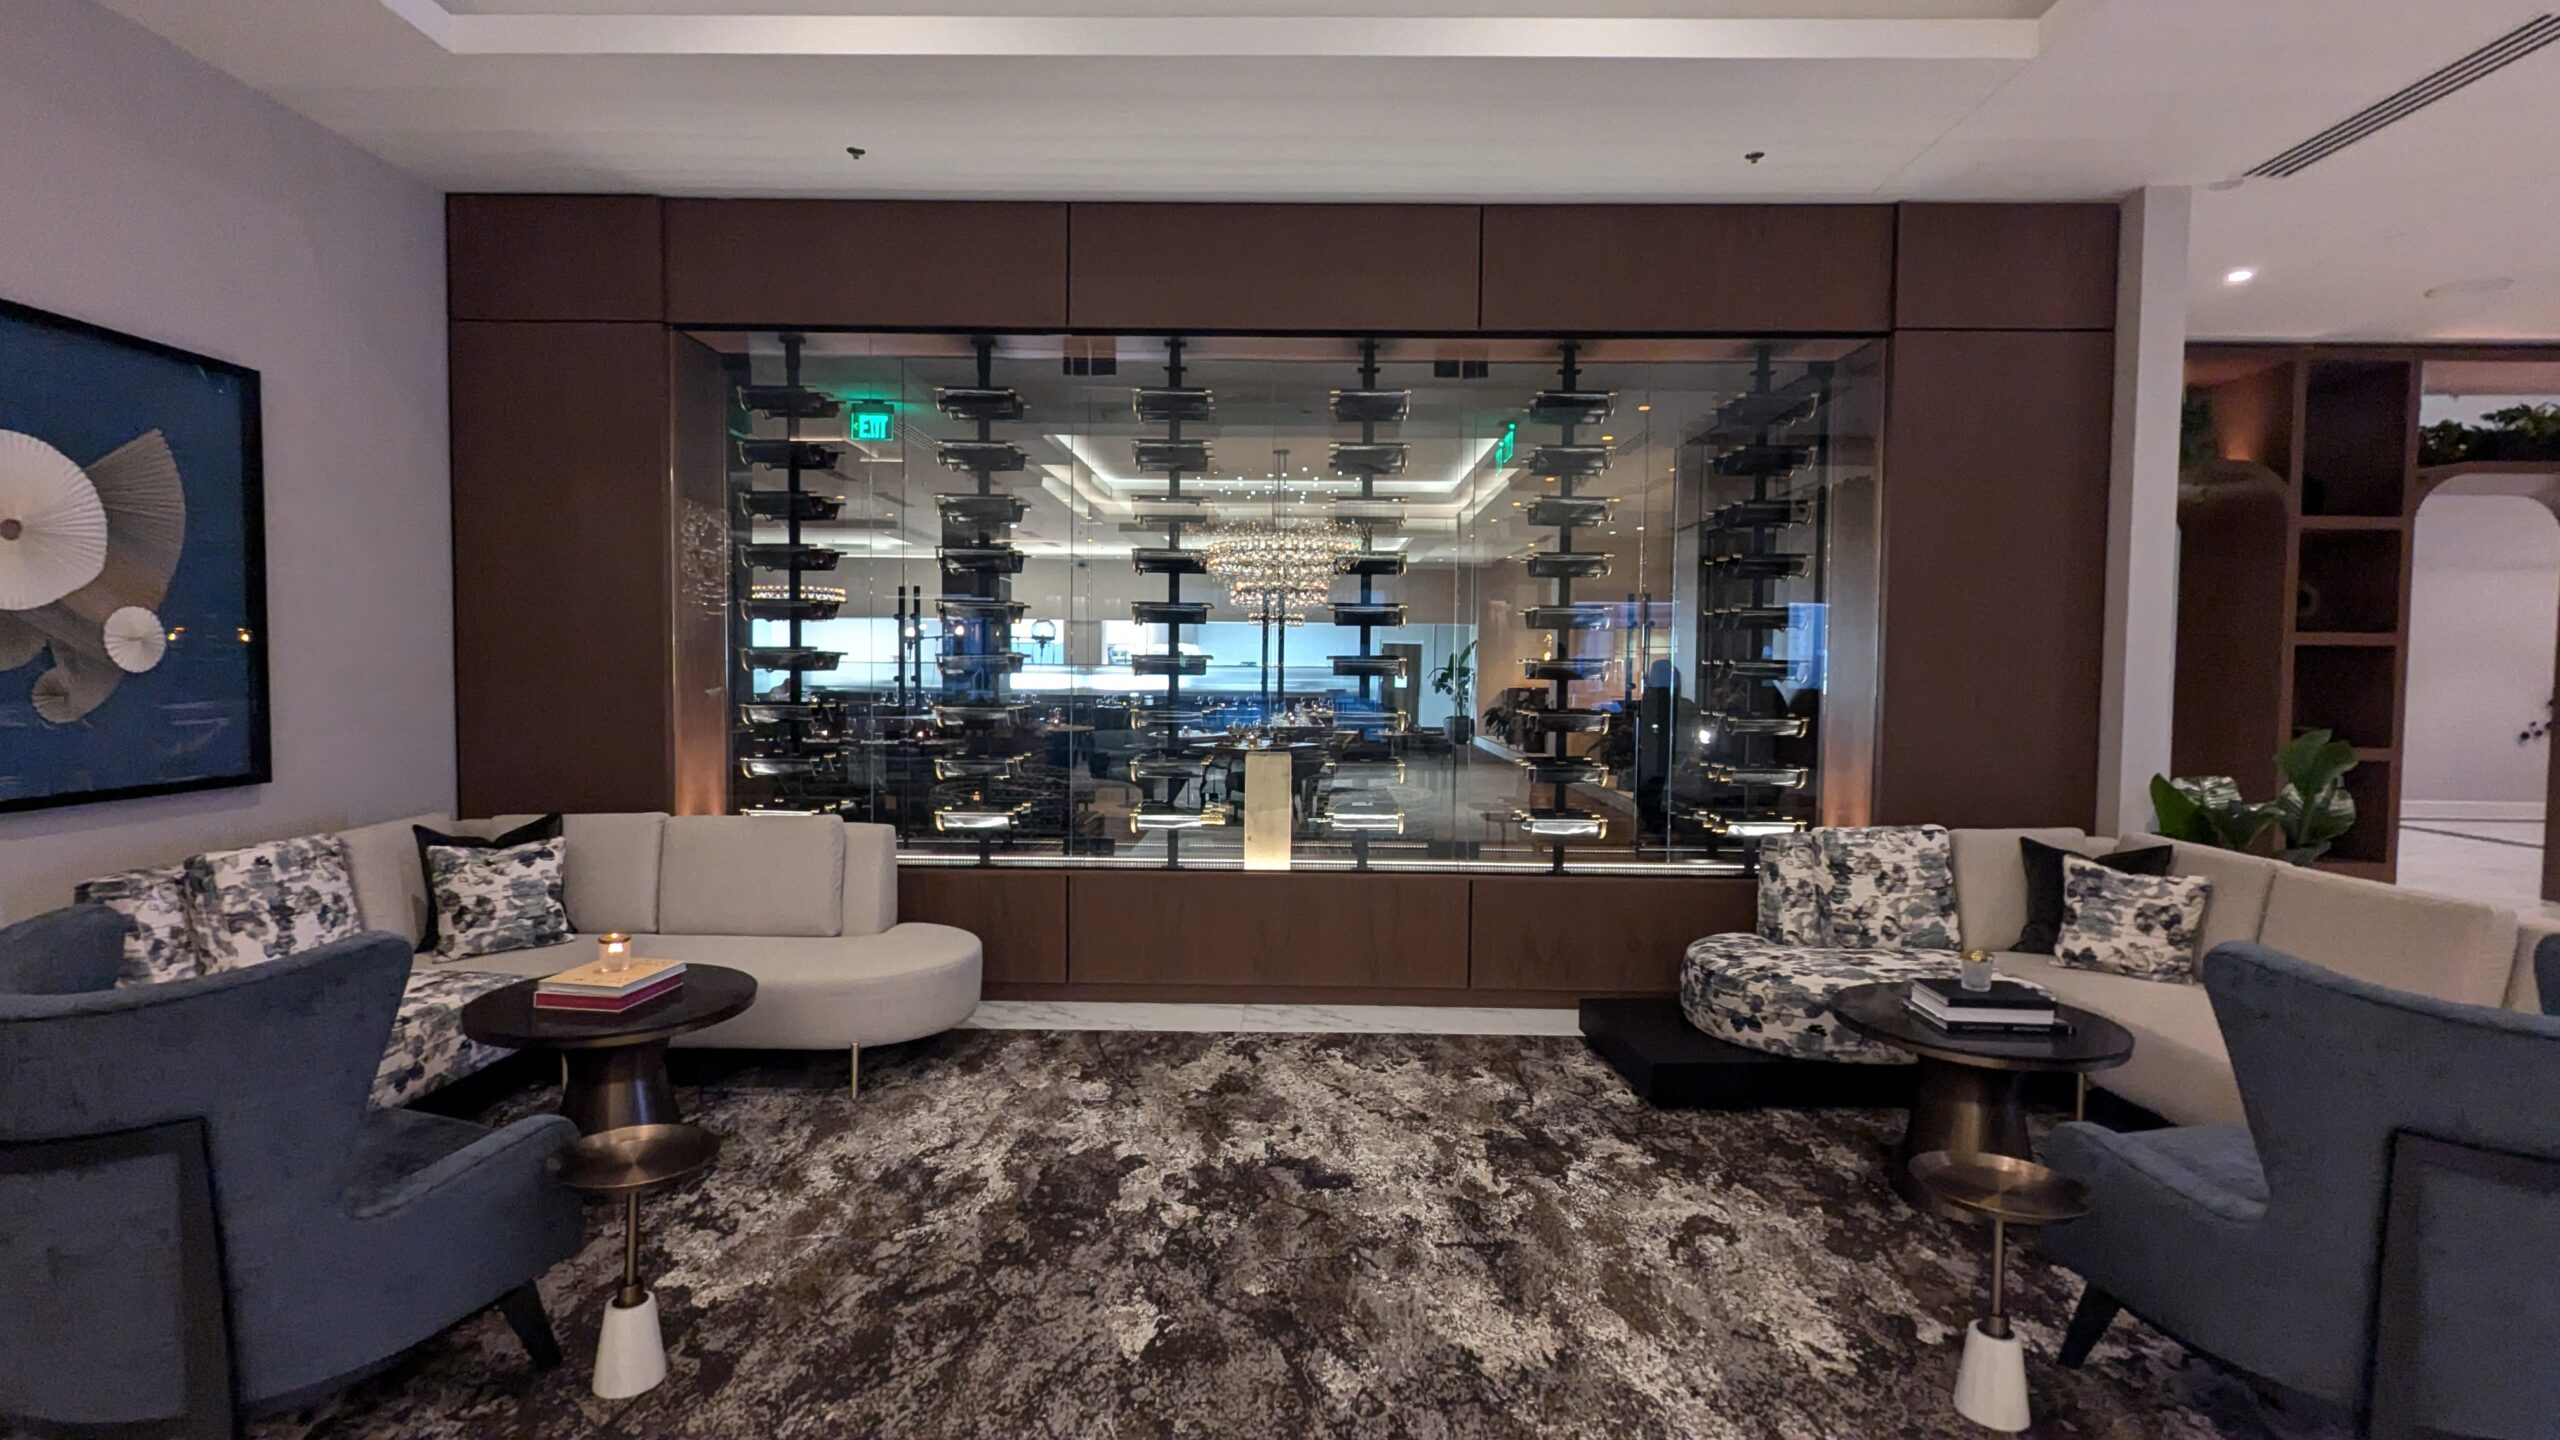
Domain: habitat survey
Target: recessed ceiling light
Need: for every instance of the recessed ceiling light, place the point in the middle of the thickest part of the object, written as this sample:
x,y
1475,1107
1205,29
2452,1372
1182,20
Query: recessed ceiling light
x,y
2241,276
2486,285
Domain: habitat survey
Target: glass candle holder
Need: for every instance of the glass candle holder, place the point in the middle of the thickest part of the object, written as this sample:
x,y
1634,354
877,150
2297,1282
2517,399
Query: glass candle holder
x,y
1975,970
613,951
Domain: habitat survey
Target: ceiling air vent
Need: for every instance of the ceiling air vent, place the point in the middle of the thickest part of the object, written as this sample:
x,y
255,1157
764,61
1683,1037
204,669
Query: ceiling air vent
x,y
2497,55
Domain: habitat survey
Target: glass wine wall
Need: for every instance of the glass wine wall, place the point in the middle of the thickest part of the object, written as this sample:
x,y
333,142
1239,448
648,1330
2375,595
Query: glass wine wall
x,y
1553,605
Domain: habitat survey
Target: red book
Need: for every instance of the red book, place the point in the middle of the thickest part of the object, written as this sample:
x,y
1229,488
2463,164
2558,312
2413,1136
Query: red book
x,y
609,1004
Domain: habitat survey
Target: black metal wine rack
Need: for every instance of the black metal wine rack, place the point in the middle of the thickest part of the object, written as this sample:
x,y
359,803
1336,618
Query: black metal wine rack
x,y
789,748
1167,768
1764,453
978,560
1365,460
1568,462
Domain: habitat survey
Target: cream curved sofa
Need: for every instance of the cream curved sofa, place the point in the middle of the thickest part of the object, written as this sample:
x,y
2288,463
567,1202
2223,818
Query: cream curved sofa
x,y
2449,949
2460,950
806,904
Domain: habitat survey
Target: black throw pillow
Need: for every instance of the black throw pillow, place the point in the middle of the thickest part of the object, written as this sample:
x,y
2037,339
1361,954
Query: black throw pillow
x,y
546,828
2044,885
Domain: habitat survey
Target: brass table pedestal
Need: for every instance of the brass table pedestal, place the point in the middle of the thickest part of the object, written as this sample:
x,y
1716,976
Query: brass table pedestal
x,y
1991,1380
1972,1096
625,1164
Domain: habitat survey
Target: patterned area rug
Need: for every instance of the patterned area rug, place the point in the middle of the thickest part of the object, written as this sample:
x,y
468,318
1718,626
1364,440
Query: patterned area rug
x,y
1125,1234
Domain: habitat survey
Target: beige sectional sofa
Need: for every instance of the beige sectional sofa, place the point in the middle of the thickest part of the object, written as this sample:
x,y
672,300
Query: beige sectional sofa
x,y
2473,953
807,905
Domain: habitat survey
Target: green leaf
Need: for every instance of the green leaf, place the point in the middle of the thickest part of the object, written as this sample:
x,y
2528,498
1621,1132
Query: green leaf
x,y
2175,813
2314,807
2313,760
2208,810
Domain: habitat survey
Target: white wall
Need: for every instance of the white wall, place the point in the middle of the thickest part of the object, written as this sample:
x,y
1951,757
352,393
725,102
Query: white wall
x,y
2484,602
143,190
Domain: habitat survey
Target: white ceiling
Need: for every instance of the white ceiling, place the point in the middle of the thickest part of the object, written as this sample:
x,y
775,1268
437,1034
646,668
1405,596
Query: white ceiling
x,y
1849,100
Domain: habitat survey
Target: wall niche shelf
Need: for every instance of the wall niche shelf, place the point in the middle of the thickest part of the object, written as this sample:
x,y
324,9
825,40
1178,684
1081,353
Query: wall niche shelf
x,y
2294,572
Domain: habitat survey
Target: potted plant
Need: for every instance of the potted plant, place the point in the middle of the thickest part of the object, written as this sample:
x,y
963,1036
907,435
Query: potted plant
x,y
1456,679
2525,431
2310,811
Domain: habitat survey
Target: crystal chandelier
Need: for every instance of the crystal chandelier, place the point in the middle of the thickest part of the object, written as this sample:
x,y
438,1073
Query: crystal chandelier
x,y
1279,568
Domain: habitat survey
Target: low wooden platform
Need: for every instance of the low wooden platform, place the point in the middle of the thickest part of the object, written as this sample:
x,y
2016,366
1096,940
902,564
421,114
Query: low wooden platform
x,y
1673,1064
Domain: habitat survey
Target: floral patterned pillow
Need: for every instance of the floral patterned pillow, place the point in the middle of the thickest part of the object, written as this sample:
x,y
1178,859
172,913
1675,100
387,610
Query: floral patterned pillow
x,y
489,900
159,938
2144,926
270,901
1890,887
1790,890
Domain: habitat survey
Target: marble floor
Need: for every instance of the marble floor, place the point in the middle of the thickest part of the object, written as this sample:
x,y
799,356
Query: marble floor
x,y
2494,860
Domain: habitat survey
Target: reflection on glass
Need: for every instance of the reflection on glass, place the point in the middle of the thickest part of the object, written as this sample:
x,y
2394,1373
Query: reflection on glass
x,y
1516,603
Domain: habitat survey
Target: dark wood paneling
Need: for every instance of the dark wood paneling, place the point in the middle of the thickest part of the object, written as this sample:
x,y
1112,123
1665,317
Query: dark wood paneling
x,y
1347,268
1290,995
2006,267
1019,916
560,567
1649,269
1597,934
947,266
698,552
2234,602
553,257
1995,554
1235,928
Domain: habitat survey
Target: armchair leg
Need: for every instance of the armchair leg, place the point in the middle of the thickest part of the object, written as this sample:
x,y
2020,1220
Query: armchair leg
x,y
2098,1309
532,1324
853,1071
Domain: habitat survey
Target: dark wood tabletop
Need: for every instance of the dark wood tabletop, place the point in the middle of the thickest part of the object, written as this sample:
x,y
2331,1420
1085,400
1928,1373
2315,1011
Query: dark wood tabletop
x,y
2087,1041
709,995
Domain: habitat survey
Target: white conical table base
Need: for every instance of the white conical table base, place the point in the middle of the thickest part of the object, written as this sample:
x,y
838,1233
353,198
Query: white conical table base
x,y
1991,1381
631,1357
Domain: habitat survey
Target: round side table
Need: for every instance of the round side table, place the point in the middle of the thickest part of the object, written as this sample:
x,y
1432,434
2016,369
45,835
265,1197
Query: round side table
x,y
614,1064
625,1164
1991,1380
1972,1092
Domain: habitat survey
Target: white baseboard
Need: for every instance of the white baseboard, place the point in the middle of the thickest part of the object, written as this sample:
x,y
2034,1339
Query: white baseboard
x,y
2470,810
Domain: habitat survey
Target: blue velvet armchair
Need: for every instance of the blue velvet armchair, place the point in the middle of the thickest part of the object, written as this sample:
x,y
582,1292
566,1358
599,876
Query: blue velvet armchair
x,y
2385,1232
203,1218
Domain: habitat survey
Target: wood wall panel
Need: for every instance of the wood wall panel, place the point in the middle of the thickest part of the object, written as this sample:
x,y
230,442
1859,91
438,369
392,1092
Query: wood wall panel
x,y
890,263
1995,548
1677,269
1356,269
562,671
1019,916
1203,927
698,580
553,257
2006,267
1597,934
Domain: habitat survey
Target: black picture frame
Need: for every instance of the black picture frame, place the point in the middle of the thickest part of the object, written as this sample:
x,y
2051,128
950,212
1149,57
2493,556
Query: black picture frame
x,y
259,768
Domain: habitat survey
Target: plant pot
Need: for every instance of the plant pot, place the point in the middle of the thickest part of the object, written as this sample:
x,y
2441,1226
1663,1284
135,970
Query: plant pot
x,y
1461,729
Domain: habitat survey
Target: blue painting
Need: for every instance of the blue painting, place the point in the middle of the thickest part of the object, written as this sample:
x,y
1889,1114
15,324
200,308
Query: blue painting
x,y
132,582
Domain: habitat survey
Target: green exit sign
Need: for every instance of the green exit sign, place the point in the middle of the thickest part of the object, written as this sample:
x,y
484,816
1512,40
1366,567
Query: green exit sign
x,y
1508,445
871,420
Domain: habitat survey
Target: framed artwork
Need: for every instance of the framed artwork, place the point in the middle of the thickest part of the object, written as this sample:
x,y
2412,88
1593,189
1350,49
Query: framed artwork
x,y
132,569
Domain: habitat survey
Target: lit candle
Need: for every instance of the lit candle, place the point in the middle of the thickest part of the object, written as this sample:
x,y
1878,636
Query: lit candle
x,y
613,950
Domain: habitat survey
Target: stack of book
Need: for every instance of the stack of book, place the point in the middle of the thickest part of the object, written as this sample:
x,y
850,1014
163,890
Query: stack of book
x,y
627,985
2007,1005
